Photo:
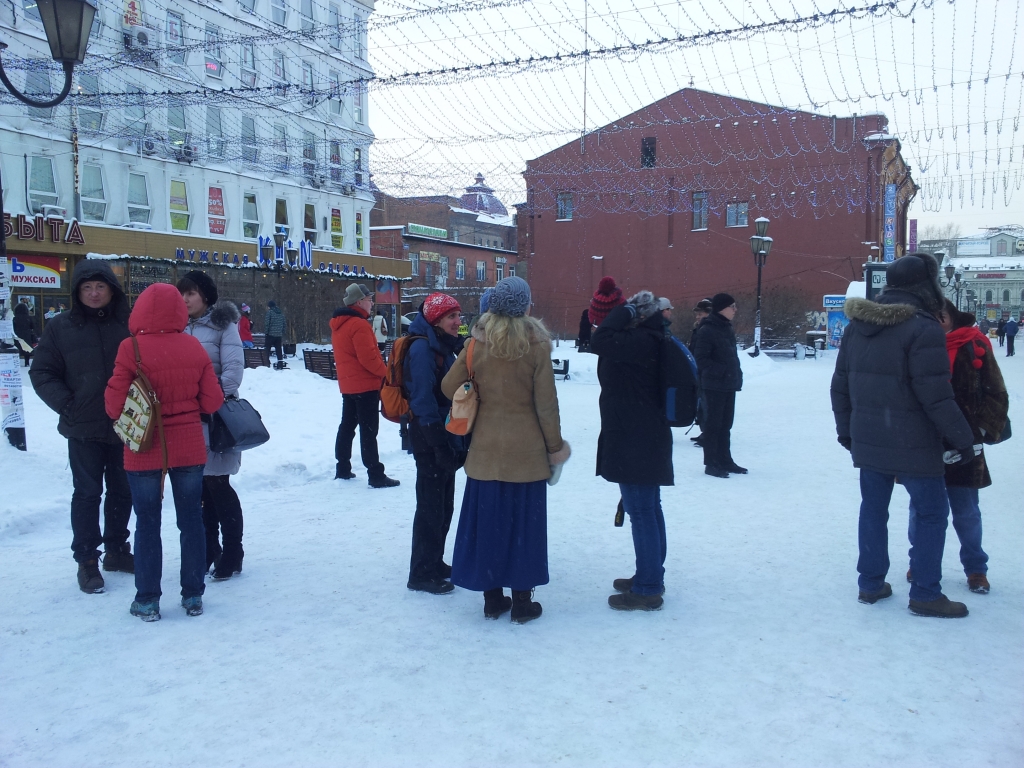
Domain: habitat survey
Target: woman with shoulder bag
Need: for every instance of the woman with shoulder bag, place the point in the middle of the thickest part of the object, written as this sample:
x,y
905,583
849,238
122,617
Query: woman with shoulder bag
x,y
516,441
215,324
185,385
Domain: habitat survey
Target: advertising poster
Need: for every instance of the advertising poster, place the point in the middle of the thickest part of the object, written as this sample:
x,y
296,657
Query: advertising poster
x,y
35,272
912,246
387,292
837,319
889,229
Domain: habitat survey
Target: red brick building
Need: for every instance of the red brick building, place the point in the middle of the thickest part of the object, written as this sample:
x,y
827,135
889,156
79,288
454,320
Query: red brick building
x,y
665,199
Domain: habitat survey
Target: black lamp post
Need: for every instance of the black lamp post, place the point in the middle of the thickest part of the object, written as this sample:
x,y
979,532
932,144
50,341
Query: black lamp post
x,y
760,246
67,24
952,278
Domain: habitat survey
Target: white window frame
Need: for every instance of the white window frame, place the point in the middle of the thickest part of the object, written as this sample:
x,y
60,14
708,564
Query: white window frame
x,y
357,166
135,116
187,213
177,135
248,73
148,208
481,271
307,16
37,83
215,143
175,33
249,221
93,201
359,29
565,203
334,161
37,198
358,107
282,160
460,269
733,211
279,12
335,92
337,235
499,272
334,23
306,231
249,6
511,270
90,120
278,226
414,264
359,232
699,203
214,56
250,142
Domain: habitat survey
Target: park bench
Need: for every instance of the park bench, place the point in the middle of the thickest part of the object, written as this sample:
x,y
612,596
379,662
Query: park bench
x,y
320,362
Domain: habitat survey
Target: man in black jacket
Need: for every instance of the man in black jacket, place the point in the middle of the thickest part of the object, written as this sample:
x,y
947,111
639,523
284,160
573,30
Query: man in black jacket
x,y
714,346
73,362
894,409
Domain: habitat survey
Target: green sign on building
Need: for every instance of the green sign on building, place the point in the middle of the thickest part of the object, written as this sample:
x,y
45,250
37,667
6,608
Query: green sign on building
x,y
420,229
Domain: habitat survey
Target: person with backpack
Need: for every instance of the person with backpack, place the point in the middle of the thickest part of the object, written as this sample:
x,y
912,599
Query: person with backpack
x,y
273,328
714,346
517,444
1011,329
183,381
361,371
634,448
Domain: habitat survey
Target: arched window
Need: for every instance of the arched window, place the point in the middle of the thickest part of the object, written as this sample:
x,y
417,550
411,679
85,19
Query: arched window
x,y
1006,297
988,297
1022,297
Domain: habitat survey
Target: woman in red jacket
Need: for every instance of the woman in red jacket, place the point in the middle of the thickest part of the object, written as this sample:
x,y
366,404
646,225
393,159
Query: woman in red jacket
x,y
182,376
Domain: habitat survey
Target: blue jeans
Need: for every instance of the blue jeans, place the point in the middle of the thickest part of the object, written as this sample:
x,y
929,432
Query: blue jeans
x,y
643,505
249,345
963,503
928,495
187,488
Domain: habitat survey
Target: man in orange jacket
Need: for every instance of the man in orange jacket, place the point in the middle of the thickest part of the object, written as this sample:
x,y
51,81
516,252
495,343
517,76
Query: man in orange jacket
x,y
360,373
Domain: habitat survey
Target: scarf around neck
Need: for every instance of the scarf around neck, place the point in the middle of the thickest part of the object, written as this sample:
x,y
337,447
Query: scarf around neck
x,y
957,338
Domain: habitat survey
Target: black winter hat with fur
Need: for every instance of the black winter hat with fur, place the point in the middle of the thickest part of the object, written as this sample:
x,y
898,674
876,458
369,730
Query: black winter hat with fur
x,y
918,275
203,283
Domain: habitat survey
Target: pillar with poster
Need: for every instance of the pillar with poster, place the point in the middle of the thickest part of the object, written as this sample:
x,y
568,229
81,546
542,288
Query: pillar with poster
x,y
837,320
12,407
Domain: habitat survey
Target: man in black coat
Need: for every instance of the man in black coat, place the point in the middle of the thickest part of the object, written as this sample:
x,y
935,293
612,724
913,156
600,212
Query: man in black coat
x,y
634,448
73,362
894,411
714,346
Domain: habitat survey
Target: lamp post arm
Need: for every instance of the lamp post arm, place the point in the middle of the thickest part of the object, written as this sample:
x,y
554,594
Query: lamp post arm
x,y
68,68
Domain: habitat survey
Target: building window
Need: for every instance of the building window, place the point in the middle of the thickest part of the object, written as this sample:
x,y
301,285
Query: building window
x,y
218,222
460,269
499,272
179,207
428,273
357,103
37,85
442,272
94,201
309,222
359,232
280,74
357,166
175,38
736,214
42,187
138,199
91,119
1006,297
135,116
308,82
1001,248
250,216
564,212
337,236
280,148
988,297
213,55
335,92
414,264
214,132
31,9
306,11
279,12
700,210
281,215
247,73
511,270
309,157
176,133
334,24
248,5
359,22
648,152
481,271
335,163
250,153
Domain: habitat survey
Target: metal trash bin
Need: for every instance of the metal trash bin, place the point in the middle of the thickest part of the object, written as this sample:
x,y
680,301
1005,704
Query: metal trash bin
x,y
817,339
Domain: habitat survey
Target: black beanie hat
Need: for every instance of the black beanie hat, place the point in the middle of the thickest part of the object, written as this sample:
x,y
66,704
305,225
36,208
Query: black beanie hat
x,y
918,275
205,285
721,301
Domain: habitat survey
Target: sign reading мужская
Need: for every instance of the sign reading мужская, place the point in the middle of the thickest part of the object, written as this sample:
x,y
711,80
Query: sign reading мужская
x,y
41,272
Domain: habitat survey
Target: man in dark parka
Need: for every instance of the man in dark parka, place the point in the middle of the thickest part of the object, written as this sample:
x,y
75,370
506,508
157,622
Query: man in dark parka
x,y
73,362
895,412
635,445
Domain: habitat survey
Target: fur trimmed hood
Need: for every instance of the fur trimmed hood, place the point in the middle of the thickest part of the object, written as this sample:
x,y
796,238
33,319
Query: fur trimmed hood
x,y
222,314
878,314
537,330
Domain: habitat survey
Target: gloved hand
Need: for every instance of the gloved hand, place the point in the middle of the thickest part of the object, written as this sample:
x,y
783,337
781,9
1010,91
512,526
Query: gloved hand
x,y
846,442
446,458
967,456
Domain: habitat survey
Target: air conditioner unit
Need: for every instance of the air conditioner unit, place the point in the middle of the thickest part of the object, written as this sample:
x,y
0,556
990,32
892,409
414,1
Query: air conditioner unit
x,y
141,39
54,210
320,181
348,189
186,151
148,145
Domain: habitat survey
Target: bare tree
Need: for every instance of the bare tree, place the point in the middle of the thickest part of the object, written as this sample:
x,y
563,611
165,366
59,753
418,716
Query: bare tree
x,y
948,231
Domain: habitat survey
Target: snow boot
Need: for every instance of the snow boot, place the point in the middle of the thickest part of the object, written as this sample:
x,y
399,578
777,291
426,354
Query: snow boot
x,y
978,582
344,474
716,472
870,598
227,566
120,559
146,611
444,570
941,608
626,585
383,482
496,602
523,607
193,605
631,601
89,579
736,469
432,586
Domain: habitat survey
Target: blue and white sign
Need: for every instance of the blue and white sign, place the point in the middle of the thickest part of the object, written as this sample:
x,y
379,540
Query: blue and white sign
x,y
837,319
889,228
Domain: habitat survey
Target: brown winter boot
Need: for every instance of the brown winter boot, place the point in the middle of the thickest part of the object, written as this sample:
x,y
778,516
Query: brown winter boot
x,y
978,582
119,560
89,579
943,608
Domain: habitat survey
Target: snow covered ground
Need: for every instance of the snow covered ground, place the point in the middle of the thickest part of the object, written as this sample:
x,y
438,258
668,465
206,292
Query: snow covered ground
x,y
317,655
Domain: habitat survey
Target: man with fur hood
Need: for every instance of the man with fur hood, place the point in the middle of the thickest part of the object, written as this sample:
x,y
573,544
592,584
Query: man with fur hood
x,y
895,412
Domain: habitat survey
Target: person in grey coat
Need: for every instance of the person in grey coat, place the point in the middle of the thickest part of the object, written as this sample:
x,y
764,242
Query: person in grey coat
x,y
273,328
895,412
215,324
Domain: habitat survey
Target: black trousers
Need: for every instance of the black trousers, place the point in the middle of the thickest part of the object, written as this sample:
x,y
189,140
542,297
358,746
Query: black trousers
x,y
276,343
719,409
222,519
93,462
1009,344
363,411
435,505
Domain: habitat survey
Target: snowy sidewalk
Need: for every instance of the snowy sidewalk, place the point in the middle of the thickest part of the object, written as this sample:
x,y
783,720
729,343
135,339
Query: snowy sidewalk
x,y
317,655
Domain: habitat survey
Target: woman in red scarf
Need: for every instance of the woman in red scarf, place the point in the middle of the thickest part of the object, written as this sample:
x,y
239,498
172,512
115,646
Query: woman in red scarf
x,y
981,394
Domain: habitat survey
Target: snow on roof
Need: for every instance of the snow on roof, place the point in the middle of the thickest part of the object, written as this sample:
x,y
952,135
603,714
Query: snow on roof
x,y
885,136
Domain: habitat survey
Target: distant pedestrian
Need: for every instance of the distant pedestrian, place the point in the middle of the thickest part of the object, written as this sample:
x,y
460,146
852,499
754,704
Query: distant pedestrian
x,y
273,327
245,328
583,340
1001,330
184,382
361,372
607,297
721,377
700,311
24,329
502,536
895,412
215,324
380,330
1011,329
73,363
634,448
437,452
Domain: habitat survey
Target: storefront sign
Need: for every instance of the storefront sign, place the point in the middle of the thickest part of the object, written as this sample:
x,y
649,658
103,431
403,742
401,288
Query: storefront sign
x,y
38,228
428,256
215,257
36,272
973,248
889,228
990,276
421,229
912,246
215,211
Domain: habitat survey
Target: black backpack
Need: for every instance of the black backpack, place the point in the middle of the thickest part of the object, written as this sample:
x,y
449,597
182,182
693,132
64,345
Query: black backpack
x,y
678,379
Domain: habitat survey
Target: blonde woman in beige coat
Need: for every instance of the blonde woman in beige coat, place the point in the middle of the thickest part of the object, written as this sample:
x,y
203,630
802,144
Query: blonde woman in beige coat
x,y
517,441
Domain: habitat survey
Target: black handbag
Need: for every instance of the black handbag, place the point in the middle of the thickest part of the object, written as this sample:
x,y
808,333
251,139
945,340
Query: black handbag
x,y
236,426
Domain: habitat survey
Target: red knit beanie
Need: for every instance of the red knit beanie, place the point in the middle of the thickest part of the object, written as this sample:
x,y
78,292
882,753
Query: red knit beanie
x,y
607,297
437,305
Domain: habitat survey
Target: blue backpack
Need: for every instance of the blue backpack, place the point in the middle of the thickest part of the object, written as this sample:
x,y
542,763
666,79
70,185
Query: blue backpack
x,y
679,383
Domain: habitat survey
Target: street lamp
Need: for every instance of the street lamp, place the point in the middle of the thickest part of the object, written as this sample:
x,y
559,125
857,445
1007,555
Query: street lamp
x,y
760,246
953,278
67,24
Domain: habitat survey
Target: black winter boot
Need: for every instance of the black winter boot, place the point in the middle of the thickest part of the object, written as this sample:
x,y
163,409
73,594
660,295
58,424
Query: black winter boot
x,y
89,579
523,607
496,603
120,559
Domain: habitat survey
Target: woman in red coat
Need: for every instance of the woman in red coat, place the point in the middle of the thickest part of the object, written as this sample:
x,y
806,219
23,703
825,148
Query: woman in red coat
x,y
182,375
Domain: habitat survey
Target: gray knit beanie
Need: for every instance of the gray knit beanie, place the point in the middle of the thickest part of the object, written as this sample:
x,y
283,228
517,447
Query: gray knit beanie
x,y
511,297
